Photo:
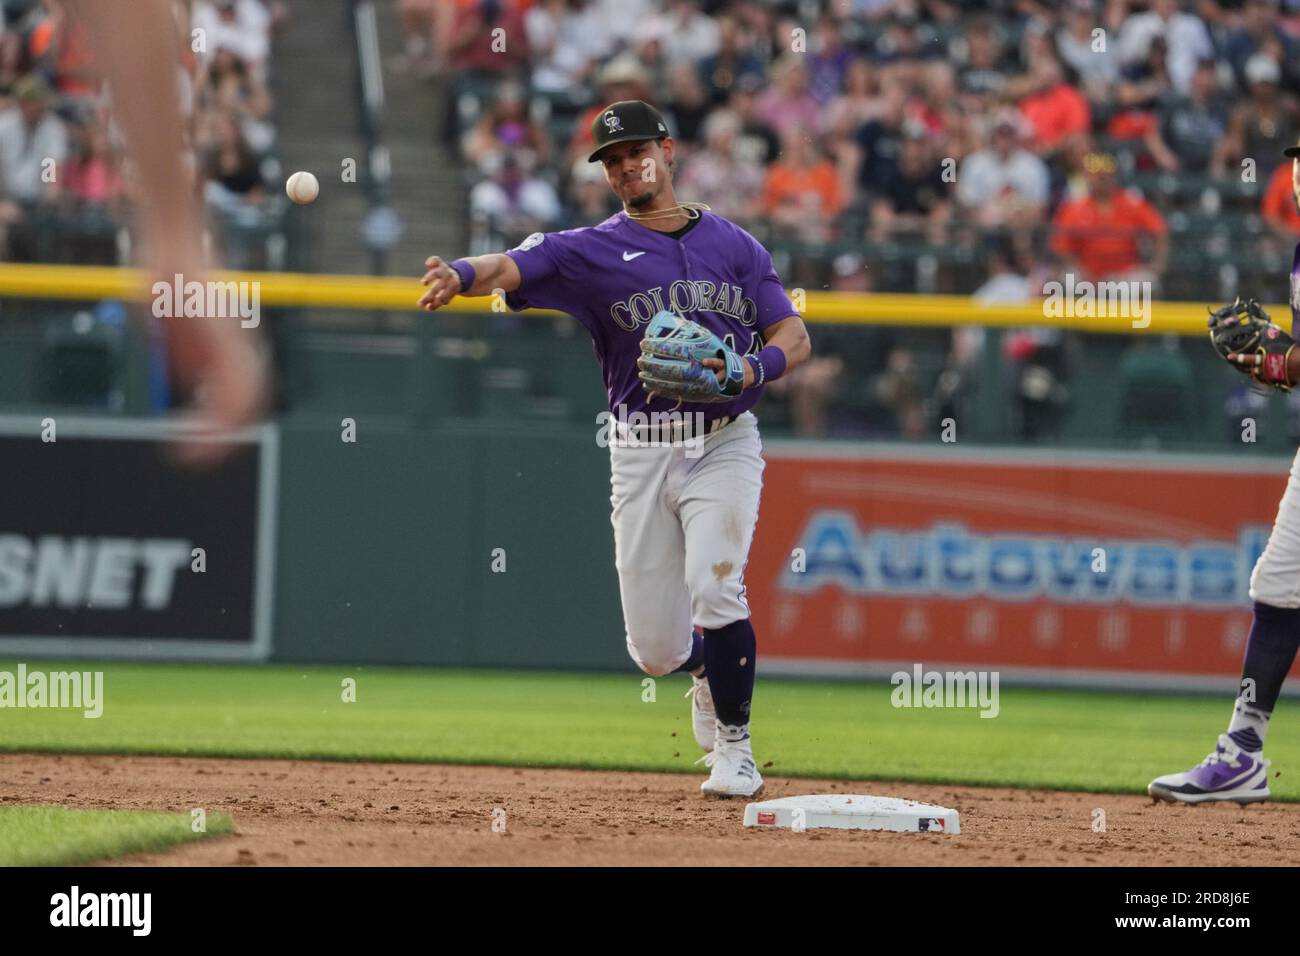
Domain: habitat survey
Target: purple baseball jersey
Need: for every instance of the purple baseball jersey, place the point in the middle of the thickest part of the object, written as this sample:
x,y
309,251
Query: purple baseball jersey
x,y
615,276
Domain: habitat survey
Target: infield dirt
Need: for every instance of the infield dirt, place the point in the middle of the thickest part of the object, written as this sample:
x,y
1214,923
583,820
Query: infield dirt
x,y
306,813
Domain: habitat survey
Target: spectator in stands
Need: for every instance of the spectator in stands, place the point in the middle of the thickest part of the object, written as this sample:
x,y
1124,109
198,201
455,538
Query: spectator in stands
x,y
1095,64
898,389
1278,206
881,140
685,33
468,45
689,103
756,140
514,202
227,85
59,50
1004,184
619,21
243,26
590,200
916,198
721,174
1189,134
857,103
1257,31
735,60
234,187
829,59
802,194
984,75
91,178
33,147
1098,237
420,23
1185,35
566,44
1056,111
787,104
1142,87
505,127
1261,126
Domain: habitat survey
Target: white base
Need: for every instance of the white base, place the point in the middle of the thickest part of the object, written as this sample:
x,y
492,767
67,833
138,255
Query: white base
x,y
844,811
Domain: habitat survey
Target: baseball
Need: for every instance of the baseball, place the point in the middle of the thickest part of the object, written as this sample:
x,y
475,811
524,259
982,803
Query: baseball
x,y
302,187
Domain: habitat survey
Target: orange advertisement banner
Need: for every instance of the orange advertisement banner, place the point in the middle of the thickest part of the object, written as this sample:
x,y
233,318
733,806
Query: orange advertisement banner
x,y
1105,569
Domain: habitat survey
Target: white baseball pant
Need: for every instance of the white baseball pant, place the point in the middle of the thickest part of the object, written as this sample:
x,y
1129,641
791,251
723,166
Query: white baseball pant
x,y
1276,577
683,522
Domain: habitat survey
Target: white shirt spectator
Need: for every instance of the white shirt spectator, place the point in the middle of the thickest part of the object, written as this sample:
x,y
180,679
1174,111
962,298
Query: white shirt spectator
x,y
1186,39
534,199
984,176
685,34
621,20
24,151
563,44
247,33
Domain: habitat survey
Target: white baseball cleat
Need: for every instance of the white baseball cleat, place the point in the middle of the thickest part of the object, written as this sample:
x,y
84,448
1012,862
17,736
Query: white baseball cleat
x,y
733,772
703,717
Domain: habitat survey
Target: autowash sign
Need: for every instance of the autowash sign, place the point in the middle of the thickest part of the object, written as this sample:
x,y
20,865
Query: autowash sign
x,y
1059,568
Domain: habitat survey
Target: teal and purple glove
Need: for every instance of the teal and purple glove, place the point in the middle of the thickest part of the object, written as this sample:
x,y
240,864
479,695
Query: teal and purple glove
x,y
673,351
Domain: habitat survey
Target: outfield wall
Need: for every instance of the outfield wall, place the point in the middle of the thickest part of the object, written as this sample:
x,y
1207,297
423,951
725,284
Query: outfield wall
x,y
465,545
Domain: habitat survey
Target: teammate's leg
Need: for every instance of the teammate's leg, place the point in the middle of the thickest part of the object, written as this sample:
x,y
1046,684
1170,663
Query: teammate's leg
x,y
717,499
1237,769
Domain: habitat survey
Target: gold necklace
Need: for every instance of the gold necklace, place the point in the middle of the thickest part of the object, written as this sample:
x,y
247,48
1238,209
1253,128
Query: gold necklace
x,y
691,210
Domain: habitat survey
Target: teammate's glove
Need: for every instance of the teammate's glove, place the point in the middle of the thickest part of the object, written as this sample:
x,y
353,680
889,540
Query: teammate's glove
x,y
1261,349
672,362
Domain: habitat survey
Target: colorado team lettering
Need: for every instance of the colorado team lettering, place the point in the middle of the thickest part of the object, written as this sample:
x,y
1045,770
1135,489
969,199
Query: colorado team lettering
x,y
684,296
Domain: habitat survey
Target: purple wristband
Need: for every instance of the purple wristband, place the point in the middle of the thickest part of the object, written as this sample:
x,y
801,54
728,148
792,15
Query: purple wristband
x,y
769,365
466,273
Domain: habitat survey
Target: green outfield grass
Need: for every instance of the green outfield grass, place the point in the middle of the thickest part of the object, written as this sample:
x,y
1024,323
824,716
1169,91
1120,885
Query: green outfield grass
x,y
1104,742
57,836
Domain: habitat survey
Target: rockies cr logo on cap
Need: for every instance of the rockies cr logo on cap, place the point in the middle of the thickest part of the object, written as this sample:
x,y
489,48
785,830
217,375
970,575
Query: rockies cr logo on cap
x,y
612,122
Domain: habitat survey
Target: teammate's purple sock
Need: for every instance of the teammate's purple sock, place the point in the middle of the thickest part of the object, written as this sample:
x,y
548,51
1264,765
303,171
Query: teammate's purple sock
x,y
696,660
729,664
1270,652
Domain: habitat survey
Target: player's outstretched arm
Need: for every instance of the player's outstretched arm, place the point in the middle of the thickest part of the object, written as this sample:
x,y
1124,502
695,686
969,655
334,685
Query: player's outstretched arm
x,y
490,273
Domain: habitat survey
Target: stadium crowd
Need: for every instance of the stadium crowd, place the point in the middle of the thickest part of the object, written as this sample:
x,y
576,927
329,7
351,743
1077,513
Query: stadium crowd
x,y
967,146
65,190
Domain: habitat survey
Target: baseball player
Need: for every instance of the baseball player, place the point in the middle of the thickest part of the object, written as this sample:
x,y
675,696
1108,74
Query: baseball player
x,y
688,320
1237,770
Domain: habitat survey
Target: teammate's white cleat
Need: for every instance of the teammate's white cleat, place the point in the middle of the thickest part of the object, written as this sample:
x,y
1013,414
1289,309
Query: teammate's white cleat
x,y
733,772
703,717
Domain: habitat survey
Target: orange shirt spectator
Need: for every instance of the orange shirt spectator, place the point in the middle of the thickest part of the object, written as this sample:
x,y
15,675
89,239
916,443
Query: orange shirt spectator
x,y
1103,236
1055,114
63,42
789,185
1278,206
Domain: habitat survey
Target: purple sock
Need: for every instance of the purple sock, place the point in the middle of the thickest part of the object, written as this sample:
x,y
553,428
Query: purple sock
x,y
729,662
697,653
1270,651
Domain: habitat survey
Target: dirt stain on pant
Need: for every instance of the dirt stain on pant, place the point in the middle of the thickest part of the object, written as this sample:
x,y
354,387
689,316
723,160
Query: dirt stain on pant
x,y
722,569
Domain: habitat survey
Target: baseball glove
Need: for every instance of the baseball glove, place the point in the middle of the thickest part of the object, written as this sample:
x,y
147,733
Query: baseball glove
x,y
1261,348
673,351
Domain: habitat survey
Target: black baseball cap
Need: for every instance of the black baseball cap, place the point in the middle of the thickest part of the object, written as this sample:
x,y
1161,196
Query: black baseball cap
x,y
624,122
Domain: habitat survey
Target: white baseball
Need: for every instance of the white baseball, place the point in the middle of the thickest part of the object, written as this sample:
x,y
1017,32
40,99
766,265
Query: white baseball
x,y
302,187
